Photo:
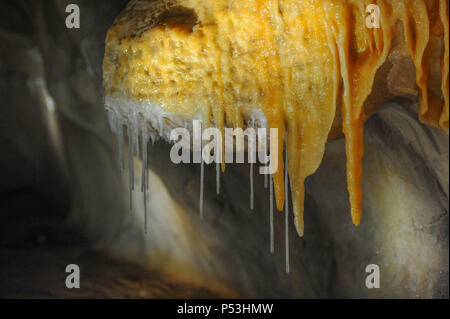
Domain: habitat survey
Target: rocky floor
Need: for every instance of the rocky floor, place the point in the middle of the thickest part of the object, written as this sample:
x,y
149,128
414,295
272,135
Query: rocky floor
x,y
36,247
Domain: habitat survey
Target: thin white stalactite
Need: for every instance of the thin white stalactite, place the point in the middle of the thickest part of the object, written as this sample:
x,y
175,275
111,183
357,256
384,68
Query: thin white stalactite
x,y
202,173
130,162
161,127
144,156
286,211
137,152
202,180
218,178
252,158
120,137
252,193
272,244
144,138
145,213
